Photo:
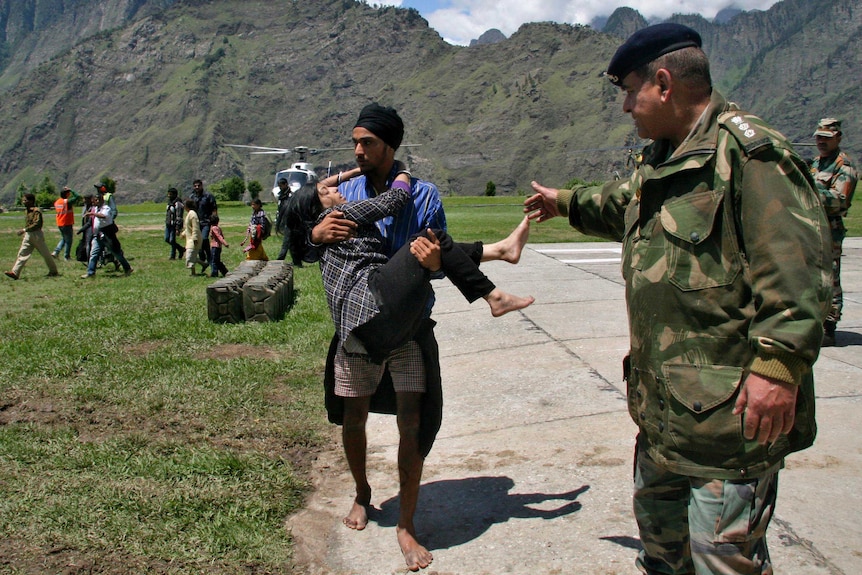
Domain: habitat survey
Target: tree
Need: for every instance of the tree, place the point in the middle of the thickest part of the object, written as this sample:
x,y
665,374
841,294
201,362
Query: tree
x,y
228,190
254,189
45,192
490,189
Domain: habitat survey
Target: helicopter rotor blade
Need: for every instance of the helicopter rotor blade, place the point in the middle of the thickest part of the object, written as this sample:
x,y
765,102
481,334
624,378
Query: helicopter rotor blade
x,y
262,149
313,151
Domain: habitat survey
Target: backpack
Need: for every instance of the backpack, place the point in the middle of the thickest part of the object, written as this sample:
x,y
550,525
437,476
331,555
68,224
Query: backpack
x,y
266,228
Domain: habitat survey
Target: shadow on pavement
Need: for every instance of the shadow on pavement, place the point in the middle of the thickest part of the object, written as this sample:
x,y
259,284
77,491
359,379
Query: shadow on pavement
x,y
454,512
847,338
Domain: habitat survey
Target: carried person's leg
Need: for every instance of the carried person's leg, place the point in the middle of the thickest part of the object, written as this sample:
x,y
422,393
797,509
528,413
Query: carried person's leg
x,y
509,249
460,263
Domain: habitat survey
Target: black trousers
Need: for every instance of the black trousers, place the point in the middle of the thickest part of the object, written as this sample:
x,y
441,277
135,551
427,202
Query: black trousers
x,y
402,288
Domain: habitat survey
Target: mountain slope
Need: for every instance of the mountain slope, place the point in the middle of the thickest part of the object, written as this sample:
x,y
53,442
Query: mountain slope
x,y
153,103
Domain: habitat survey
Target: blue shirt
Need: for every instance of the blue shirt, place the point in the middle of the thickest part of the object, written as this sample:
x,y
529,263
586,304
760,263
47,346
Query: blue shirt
x,y
426,210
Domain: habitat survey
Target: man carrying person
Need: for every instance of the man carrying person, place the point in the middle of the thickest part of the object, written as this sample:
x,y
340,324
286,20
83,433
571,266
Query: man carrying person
x,y
726,262
377,134
835,176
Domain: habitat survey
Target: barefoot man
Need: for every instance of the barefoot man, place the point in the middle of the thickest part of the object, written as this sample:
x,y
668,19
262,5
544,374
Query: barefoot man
x,y
414,366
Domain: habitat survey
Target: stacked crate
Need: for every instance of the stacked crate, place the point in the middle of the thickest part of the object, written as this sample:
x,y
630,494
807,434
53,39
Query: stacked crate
x,y
268,286
267,295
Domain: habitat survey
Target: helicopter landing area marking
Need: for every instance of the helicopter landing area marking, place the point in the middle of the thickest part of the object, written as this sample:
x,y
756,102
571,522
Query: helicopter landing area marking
x,y
557,252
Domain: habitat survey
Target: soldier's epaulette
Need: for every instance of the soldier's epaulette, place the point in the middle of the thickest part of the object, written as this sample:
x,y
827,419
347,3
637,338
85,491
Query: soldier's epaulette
x,y
753,136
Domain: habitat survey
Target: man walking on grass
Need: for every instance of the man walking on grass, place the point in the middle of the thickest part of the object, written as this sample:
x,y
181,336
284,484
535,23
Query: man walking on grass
x,y
34,239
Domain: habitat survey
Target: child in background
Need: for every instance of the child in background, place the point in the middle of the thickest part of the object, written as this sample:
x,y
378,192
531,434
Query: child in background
x,y
255,234
192,233
217,242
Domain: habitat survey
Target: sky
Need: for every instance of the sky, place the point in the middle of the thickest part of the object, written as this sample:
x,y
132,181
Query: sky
x,y
459,21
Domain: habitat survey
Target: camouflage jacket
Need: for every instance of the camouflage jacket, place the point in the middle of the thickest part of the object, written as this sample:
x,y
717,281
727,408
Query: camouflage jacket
x,y
836,179
726,261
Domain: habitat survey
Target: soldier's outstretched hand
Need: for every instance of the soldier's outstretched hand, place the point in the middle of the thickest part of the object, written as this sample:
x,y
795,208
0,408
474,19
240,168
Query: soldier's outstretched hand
x,y
543,204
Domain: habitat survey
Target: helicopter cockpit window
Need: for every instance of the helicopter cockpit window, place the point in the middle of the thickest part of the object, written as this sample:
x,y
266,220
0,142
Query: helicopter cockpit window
x,y
300,178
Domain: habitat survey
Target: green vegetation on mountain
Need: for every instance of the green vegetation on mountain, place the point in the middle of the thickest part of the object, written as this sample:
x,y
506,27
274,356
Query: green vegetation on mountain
x,y
152,98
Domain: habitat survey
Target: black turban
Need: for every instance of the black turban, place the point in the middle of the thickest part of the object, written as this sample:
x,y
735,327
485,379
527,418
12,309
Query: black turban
x,y
383,122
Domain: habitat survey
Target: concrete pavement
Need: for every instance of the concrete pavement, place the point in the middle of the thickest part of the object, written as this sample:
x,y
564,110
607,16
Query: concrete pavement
x,y
531,471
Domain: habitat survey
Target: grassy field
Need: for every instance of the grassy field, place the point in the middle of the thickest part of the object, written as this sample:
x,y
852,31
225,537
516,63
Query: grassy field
x,y
136,436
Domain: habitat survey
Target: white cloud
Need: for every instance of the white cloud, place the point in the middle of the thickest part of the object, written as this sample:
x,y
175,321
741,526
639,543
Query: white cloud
x,y
460,21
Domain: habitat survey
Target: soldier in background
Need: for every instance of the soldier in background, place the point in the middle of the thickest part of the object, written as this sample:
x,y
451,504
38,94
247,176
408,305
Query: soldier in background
x,y
836,177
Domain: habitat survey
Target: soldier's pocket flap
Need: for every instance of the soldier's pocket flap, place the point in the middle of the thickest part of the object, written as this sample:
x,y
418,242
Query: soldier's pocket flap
x,y
691,217
701,388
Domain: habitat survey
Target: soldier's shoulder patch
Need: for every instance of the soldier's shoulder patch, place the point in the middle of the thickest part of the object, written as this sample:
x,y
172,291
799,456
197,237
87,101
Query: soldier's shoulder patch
x,y
751,133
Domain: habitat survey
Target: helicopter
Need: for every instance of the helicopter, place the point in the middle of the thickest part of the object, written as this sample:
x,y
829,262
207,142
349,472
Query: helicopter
x,y
299,174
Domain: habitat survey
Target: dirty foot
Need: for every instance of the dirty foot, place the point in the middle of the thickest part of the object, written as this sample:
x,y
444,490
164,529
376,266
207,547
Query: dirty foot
x,y
357,517
511,247
416,556
502,303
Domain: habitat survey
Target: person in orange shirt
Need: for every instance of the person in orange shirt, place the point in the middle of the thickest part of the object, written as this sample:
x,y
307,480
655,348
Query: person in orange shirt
x,y
65,221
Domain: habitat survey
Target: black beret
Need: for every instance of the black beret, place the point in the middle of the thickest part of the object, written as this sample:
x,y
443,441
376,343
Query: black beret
x,y
646,45
385,123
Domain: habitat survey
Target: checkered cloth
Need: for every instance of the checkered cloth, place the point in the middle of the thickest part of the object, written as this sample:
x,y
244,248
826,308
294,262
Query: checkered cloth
x,y
345,265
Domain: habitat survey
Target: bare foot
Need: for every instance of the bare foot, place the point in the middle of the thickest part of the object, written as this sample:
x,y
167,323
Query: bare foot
x,y
510,248
416,556
357,517
502,303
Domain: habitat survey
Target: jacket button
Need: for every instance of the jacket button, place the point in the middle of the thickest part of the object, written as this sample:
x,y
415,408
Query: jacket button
x,y
695,237
661,404
698,406
661,426
643,415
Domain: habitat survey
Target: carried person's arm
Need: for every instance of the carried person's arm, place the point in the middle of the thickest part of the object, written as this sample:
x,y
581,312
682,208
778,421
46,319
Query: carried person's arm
x,y
340,224
388,203
334,227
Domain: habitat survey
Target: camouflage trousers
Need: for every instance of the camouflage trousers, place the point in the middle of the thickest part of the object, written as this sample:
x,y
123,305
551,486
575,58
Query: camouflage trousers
x,y
689,525
837,292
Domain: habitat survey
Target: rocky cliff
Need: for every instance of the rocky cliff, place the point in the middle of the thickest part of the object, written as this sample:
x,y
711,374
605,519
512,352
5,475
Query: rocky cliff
x,y
152,98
